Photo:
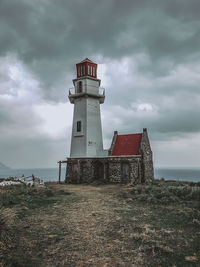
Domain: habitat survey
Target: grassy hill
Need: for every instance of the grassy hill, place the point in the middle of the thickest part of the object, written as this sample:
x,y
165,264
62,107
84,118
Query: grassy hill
x,y
104,225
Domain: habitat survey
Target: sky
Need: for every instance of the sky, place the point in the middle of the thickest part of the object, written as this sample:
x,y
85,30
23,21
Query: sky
x,y
148,56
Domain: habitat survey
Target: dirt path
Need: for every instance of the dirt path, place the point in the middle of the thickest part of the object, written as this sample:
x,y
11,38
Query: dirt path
x,y
78,232
88,221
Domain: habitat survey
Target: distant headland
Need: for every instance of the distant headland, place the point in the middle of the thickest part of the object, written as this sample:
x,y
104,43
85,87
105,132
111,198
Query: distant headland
x,y
3,167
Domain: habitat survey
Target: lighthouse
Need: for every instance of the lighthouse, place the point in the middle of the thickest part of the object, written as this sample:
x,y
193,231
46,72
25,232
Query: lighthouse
x,y
129,158
86,96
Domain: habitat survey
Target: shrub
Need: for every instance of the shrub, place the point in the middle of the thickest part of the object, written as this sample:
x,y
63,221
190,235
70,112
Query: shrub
x,y
195,195
49,193
166,192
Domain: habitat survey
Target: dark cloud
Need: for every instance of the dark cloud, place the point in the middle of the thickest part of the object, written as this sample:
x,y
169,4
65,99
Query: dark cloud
x,y
51,35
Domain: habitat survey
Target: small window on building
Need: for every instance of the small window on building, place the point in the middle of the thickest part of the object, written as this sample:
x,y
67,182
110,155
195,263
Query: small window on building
x,y
88,70
78,126
78,71
80,87
83,70
93,71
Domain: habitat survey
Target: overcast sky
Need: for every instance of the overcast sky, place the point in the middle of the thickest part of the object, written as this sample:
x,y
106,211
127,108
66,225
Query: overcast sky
x,y
148,55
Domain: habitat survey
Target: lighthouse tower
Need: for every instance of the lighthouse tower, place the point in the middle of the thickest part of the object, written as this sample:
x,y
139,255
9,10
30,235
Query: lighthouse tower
x,y
86,139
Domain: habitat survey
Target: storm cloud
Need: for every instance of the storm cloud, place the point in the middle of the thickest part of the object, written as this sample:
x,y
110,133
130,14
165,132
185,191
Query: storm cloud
x,y
148,59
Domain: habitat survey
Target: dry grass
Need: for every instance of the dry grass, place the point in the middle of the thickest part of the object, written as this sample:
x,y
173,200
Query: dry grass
x,y
103,225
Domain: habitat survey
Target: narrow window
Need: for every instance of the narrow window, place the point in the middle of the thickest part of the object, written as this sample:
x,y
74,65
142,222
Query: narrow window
x,y
83,70
88,70
78,126
79,71
93,71
80,87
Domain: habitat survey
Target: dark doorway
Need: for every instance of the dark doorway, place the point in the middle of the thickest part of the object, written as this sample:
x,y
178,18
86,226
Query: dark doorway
x,y
98,171
106,172
125,172
84,172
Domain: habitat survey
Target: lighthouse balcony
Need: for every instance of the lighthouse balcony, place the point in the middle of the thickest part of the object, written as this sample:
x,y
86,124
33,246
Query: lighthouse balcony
x,y
74,94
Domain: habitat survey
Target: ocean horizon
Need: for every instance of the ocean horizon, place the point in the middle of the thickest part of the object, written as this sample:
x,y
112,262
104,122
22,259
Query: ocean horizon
x,y
51,174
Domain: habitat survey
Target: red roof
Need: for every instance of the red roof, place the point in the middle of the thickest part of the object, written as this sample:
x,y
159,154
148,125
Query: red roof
x,y
87,60
127,144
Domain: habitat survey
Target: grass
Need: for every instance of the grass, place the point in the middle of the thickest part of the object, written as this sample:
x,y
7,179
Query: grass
x,y
169,231
17,203
167,192
100,225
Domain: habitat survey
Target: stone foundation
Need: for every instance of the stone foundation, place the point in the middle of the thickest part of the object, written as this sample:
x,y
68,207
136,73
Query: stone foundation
x,y
113,169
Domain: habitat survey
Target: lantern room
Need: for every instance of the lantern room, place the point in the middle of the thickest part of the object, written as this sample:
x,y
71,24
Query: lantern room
x,y
86,68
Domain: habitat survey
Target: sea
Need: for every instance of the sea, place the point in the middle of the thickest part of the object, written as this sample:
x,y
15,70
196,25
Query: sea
x,y
51,174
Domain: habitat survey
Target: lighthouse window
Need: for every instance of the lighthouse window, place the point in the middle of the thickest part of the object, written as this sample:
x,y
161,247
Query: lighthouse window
x,y
78,71
80,86
83,70
88,70
78,126
93,71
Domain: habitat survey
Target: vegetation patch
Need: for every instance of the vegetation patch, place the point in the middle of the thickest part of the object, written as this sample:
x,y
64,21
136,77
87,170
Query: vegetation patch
x,y
166,192
19,246
167,222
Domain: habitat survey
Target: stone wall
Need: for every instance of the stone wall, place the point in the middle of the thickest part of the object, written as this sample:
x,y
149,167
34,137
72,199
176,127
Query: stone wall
x,y
135,171
79,171
114,171
147,158
108,169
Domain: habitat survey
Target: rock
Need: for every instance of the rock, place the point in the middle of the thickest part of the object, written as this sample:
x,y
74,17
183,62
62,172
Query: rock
x,y
191,258
29,181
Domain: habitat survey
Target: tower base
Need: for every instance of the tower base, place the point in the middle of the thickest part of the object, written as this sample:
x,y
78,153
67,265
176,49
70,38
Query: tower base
x,y
113,169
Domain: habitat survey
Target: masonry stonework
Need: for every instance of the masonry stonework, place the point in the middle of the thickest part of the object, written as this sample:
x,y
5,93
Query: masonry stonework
x,y
147,158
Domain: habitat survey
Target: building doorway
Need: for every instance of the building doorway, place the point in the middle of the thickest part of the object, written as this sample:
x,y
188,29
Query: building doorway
x,y
98,171
125,172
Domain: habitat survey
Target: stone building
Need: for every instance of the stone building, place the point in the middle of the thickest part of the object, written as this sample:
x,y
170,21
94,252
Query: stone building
x,y
129,159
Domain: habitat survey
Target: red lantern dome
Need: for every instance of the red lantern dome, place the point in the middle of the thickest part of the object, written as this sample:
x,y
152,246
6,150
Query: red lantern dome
x,y
86,68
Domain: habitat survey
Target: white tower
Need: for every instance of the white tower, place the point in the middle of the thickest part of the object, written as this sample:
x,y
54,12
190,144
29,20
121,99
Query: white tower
x,y
86,140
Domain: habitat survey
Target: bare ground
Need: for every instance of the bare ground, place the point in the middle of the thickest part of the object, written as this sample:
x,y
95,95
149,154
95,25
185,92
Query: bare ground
x,y
98,226
83,225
